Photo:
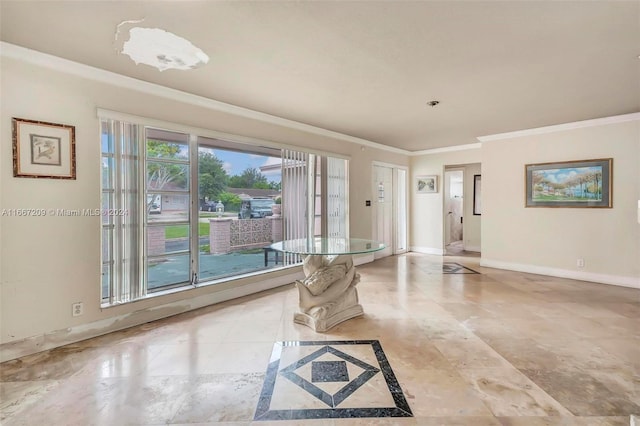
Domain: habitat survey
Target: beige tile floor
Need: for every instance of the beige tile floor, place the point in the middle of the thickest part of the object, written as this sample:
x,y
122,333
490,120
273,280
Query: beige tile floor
x,y
496,348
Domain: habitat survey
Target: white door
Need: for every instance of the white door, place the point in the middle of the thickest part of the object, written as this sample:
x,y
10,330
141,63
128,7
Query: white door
x,y
383,209
401,211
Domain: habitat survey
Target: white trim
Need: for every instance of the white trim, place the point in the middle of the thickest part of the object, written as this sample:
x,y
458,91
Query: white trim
x,y
561,127
399,208
389,165
632,282
208,133
446,149
53,339
427,250
55,63
472,248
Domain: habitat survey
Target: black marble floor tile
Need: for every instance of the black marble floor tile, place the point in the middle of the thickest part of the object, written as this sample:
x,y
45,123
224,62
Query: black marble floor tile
x,y
329,371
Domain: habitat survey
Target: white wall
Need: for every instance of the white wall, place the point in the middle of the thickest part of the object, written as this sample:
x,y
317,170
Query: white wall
x,y
48,263
426,211
550,240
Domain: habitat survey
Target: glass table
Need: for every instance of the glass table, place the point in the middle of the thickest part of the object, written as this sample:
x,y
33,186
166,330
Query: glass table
x,y
328,294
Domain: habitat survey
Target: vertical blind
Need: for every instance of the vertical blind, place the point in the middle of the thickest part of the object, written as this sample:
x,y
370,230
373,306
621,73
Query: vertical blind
x,y
121,201
337,198
294,197
299,173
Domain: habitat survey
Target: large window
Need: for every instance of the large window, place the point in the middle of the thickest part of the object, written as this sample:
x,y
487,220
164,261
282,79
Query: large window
x,y
190,210
245,181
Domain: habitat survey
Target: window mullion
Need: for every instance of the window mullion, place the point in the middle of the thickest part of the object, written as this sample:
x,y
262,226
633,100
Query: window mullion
x,y
325,203
194,212
311,196
115,291
141,285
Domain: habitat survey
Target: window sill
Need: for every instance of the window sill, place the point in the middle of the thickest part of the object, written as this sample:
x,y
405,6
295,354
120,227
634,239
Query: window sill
x,y
229,281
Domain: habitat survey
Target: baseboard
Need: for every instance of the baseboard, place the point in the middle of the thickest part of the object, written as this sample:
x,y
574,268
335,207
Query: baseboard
x,y
472,248
427,250
632,282
57,338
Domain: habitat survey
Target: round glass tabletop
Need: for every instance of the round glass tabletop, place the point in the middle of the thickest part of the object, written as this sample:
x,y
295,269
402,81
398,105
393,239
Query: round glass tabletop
x,y
327,246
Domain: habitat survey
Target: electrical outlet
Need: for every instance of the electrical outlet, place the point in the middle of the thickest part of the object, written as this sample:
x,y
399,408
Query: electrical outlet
x,y
580,263
77,309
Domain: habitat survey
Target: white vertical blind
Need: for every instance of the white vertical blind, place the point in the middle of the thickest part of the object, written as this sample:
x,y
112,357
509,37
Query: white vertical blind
x,y
126,241
337,198
294,197
299,173
311,195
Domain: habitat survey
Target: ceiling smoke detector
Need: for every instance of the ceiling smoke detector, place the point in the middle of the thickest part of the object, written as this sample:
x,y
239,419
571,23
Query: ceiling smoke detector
x,y
433,103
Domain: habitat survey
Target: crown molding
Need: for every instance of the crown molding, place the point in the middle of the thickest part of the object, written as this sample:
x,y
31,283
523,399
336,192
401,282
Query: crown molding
x,y
447,149
56,63
562,127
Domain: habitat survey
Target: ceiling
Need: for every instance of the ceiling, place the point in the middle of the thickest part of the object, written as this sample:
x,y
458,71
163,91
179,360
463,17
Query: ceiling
x,y
368,69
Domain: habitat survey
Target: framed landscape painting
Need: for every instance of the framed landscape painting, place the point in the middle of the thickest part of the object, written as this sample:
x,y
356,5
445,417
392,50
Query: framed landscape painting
x,y
585,183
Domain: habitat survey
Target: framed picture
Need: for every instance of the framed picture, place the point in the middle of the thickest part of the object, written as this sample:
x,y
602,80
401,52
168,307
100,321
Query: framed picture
x,y
585,183
427,184
43,150
477,195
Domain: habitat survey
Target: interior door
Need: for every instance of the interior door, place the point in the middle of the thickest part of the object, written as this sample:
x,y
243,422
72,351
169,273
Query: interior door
x,y
401,210
383,221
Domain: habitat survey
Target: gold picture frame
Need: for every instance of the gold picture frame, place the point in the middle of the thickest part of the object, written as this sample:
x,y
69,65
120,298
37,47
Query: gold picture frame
x,y
43,150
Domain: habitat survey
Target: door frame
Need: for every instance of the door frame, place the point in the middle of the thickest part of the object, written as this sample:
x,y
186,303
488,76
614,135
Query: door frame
x,y
394,204
445,193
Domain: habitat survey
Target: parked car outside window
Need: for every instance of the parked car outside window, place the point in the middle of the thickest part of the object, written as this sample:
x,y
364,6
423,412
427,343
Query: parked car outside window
x,y
207,206
155,209
256,208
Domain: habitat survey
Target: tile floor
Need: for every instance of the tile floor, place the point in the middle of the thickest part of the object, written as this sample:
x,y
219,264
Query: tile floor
x,y
492,348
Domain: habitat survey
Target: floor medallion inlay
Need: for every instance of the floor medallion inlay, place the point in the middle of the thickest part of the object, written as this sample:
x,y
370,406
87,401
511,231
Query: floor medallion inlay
x,y
330,379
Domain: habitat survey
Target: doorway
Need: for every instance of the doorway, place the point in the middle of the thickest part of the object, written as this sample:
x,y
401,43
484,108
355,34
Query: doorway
x,y
461,220
454,211
389,208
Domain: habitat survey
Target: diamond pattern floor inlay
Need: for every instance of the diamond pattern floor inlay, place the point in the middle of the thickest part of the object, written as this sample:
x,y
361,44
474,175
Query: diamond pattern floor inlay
x,y
330,379
456,268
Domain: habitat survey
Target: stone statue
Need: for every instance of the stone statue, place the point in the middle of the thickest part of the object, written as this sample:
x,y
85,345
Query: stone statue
x,y
328,294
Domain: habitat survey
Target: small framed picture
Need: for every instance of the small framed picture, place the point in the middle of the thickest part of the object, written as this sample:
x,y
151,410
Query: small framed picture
x,y
477,195
427,184
43,150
